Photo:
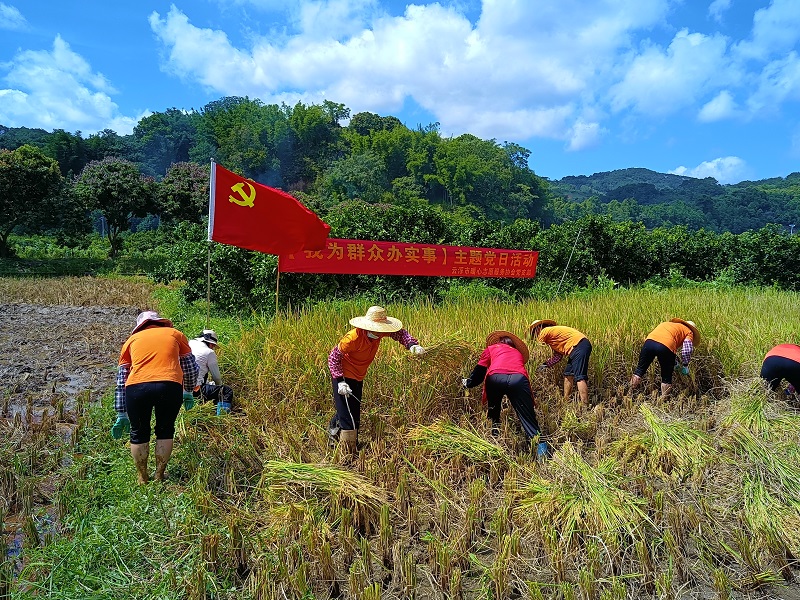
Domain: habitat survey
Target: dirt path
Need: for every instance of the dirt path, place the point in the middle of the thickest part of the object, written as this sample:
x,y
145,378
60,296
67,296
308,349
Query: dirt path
x,y
48,352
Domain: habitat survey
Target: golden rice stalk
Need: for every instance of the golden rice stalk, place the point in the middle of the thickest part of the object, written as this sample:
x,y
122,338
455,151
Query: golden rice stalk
x,y
303,481
751,407
582,500
450,441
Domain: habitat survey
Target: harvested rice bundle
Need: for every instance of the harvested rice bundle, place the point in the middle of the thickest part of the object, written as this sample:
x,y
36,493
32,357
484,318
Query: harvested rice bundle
x,y
581,500
673,448
447,354
303,481
449,441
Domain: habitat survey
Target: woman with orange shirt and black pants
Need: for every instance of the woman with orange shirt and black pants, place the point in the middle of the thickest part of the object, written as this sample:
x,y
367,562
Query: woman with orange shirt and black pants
x,y
566,341
348,362
156,367
664,342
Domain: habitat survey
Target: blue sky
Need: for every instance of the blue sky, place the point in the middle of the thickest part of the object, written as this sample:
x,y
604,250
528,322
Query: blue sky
x,y
694,87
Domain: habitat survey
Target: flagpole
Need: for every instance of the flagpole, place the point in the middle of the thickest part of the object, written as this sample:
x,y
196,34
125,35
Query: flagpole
x,y
277,286
211,191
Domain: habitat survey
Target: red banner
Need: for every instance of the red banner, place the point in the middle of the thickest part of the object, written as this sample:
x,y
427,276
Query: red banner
x,y
251,215
365,257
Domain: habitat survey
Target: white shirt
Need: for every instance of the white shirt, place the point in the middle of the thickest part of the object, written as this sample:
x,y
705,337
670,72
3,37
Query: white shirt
x,y
207,361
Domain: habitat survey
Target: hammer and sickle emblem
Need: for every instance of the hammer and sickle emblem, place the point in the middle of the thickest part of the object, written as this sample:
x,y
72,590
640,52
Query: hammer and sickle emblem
x,y
244,198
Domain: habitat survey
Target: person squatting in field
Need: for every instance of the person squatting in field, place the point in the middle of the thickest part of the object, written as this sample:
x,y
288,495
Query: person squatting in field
x,y
783,362
664,342
204,350
501,369
348,362
156,372
565,341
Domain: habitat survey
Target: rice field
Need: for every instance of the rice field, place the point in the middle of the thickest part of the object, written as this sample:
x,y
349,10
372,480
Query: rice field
x,y
697,496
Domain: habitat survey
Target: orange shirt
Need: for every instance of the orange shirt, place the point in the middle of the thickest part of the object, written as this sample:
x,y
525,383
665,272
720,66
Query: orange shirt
x,y
560,338
789,351
671,335
359,351
154,355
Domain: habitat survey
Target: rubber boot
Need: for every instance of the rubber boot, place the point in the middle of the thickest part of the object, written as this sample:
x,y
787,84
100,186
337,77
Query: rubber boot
x,y
140,452
163,452
349,439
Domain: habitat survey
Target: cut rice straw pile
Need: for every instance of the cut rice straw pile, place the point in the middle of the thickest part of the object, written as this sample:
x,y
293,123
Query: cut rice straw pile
x,y
449,441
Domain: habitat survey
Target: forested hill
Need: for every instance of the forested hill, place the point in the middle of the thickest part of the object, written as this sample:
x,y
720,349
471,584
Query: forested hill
x,y
328,156
663,199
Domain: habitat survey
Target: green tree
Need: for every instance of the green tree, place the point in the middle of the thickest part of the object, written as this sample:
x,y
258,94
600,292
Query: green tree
x,y
29,180
164,138
117,188
183,193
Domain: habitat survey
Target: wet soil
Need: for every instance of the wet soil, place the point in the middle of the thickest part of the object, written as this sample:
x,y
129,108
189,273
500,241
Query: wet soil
x,y
55,352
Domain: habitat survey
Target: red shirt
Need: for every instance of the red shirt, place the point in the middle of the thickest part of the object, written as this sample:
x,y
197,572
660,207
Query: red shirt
x,y
789,351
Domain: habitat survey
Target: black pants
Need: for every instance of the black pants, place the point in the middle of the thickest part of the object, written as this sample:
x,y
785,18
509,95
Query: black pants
x,y
518,389
776,368
666,359
348,409
215,393
141,399
578,361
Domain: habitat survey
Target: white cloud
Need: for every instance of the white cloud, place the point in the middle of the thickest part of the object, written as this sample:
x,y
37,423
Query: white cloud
x,y
585,135
59,89
523,67
727,169
777,83
717,7
11,18
776,29
721,107
659,82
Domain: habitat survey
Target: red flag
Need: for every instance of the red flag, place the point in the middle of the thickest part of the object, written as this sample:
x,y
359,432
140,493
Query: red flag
x,y
250,215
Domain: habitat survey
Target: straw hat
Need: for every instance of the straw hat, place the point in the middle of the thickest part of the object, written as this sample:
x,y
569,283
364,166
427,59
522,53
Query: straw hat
x,y
376,320
537,322
495,336
148,317
690,325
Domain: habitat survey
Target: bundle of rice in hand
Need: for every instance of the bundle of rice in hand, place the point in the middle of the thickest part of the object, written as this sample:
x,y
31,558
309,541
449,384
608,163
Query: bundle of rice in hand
x,y
447,354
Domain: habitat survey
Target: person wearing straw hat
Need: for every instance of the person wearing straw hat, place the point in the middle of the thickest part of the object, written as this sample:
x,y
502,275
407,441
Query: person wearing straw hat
x,y
348,362
783,362
501,369
569,342
668,339
156,373
204,350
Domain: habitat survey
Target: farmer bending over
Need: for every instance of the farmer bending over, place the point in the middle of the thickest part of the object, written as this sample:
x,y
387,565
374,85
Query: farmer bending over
x,y
664,342
565,341
349,361
501,369
156,373
783,362
204,350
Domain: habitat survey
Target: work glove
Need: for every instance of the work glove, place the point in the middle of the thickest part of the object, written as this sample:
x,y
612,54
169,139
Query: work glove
x,y
344,389
416,349
682,369
465,383
188,400
223,408
121,426
542,367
